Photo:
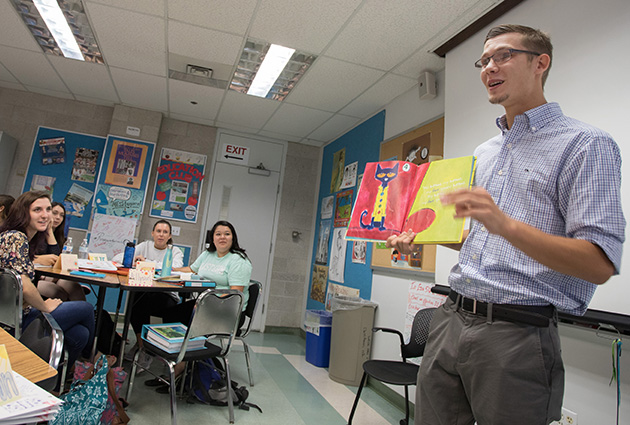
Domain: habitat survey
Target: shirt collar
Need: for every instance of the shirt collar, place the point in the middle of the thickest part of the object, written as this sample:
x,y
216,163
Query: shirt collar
x,y
534,119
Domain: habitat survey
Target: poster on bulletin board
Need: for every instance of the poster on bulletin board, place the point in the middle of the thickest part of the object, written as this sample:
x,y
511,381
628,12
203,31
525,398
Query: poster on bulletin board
x,y
121,188
66,165
178,185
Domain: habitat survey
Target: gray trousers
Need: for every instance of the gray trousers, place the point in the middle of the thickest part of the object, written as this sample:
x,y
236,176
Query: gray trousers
x,y
494,373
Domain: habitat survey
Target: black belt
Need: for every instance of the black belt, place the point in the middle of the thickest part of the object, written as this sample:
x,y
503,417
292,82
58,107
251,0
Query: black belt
x,y
527,314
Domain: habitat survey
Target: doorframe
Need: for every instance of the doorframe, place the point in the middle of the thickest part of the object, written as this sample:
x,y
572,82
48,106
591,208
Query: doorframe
x,y
274,233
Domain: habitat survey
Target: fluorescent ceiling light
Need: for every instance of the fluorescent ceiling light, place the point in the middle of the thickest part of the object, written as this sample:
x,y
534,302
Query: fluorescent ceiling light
x,y
275,60
59,28
250,76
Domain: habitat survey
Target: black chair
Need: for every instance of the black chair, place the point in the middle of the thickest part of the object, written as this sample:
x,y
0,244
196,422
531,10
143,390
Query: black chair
x,y
43,336
215,316
399,372
246,320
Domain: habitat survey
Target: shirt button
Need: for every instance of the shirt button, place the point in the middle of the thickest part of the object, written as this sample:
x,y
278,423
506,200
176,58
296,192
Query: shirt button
x,y
509,146
500,172
474,257
534,129
483,228
467,280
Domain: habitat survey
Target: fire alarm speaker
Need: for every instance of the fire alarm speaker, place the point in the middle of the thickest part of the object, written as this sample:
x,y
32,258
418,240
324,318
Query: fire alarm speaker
x,y
426,83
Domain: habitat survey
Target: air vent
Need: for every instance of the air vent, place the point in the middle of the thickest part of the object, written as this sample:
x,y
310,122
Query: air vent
x,y
197,78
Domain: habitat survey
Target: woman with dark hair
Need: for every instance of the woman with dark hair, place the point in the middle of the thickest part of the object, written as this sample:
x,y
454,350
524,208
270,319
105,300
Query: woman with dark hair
x,y
24,228
226,264
46,254
147,304
5,204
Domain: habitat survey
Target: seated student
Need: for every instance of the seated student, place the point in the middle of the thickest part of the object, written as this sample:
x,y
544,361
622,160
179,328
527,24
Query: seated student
x,y
147,304
47,252
22,230
225,263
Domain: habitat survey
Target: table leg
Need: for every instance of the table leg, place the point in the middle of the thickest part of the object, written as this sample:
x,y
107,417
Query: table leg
x,y
100,301
118,304
130,297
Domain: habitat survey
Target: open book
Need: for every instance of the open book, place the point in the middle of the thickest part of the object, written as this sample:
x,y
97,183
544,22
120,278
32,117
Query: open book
x,y
396,196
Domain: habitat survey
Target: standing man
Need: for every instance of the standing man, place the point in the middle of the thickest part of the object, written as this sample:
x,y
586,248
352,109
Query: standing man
x,y
546,228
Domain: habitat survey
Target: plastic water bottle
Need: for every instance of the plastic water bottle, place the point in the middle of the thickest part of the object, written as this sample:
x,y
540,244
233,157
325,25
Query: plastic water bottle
x,y
167,262
67,247
130,250
83,250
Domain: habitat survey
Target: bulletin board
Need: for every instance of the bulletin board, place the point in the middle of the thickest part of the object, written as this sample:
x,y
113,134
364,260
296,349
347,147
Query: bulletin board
x,y
122,184
67,165
178,185
421,145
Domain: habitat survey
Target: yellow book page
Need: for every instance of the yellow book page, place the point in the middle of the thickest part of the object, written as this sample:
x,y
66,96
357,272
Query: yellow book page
x,y
10,390
433,221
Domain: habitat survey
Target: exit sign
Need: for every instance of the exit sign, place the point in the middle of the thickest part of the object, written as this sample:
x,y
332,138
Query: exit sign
x,y
235,154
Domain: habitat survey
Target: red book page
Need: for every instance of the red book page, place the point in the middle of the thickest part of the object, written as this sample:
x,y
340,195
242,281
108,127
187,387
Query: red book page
x,y
381,205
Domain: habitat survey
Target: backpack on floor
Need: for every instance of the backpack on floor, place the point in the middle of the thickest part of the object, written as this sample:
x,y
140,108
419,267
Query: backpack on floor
x,y
208,385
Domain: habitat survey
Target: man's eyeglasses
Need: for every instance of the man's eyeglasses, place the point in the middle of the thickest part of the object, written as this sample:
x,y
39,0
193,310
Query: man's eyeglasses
x,y
501,56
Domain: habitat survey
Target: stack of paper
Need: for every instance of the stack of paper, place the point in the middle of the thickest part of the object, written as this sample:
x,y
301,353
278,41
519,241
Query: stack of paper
x,y
100,265
33,405
170,336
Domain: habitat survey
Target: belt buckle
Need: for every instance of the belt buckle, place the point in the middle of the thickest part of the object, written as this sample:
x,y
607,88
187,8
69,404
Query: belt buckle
x,y
474,306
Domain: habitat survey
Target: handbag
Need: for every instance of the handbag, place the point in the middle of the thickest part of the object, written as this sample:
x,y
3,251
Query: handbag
x,y
85,402
114,412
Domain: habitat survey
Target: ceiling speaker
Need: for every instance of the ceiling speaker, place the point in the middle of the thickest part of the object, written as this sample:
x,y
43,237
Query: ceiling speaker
x,y
427,85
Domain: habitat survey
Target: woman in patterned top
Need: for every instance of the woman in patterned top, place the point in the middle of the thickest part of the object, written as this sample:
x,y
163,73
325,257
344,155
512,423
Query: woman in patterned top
x,y
23,229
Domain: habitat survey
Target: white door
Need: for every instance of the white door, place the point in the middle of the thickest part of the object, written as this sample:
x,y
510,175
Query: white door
x,y
248,201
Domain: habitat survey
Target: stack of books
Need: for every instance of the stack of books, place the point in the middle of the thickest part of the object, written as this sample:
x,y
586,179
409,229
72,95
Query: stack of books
x,y
169,337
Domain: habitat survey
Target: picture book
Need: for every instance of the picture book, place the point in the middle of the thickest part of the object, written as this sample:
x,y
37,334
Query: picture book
x,y
170,337
396,196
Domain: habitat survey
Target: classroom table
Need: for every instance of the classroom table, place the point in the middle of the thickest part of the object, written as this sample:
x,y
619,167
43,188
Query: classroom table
x,y
24,361
111,280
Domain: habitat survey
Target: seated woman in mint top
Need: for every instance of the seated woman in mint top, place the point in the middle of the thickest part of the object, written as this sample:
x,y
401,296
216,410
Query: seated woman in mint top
x,y
224,262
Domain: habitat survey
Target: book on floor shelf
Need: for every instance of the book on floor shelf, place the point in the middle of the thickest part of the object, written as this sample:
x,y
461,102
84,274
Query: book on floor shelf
x,y
396,196
170,336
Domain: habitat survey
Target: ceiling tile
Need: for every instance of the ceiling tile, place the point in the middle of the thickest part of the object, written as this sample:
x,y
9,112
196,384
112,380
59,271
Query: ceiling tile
x,y
381,34
280,136
238,127
13,30
296,120
330,84
310,27
85,78
10,85
250,111
202,43
421,61
6,76
381,93
150,7
181,94
333,128
130,40
227,16
31,68
140,90
188,118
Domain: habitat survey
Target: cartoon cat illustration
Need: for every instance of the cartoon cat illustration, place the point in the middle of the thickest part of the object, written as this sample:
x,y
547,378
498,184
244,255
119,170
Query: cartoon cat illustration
x,y
385,176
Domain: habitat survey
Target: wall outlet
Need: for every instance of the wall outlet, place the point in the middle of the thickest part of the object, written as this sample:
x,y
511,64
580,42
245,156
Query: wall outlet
x,y
175,230
568,417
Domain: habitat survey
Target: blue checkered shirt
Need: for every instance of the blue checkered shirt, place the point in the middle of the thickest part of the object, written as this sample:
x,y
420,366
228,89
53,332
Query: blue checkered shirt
x,y
559,175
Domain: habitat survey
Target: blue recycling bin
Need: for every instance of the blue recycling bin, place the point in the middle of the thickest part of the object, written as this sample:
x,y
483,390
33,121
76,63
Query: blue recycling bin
x,y
318,326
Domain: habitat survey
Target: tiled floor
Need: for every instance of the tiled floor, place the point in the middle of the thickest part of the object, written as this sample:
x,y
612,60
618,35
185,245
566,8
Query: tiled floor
x,y
289,390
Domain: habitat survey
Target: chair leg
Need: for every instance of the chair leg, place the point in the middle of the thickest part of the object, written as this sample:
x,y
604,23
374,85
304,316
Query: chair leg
x,y
173,393
356,399
229,392
64,372
132,375
406,404
249,367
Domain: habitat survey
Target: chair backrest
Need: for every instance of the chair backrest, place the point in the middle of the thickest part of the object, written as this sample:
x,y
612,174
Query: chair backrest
x,y
247,316
11,300
216,314
44,337
419,334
